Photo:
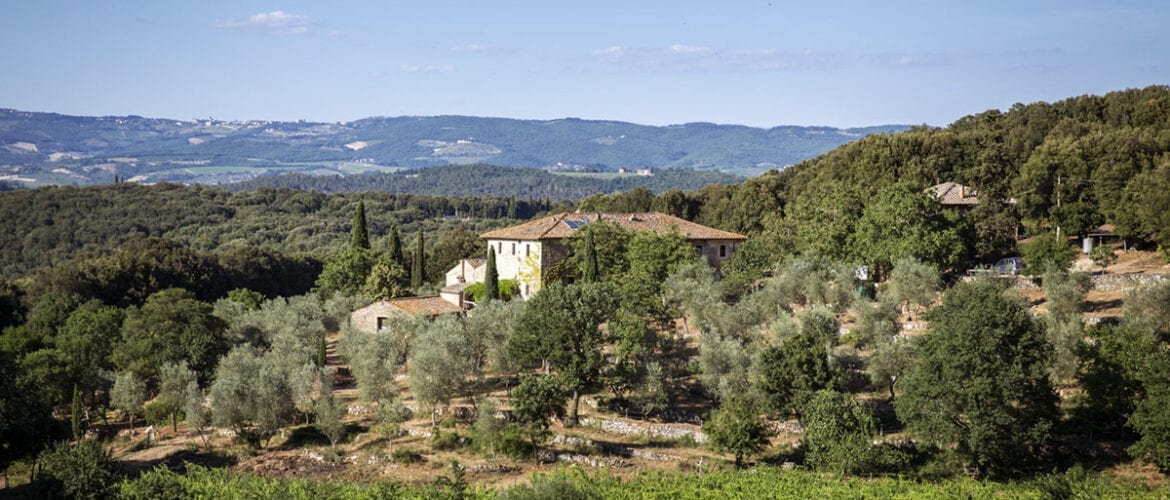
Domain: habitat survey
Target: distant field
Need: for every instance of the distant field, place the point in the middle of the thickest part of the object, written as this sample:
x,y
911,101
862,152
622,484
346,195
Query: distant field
x,y
593,175
363,168
222,169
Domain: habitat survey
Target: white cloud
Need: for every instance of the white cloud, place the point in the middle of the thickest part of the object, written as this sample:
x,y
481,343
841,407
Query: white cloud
x,y
427,68
275,22
471,47
681,58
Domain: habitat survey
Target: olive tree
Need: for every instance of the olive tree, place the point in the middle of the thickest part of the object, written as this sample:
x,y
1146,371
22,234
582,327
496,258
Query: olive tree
x,y
440,360
128,394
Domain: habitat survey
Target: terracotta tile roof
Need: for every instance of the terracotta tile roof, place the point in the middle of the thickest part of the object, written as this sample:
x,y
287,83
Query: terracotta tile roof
x,y
427,306
476,263
951,193
555,227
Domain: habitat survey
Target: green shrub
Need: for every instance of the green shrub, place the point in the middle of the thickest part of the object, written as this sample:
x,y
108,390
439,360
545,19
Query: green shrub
x,y
508,290
82,470
448,441
512,443
554,486
157,414
1046,252
406,456
159,482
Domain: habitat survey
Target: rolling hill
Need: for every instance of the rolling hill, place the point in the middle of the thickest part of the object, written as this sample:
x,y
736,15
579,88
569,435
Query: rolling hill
x,y
49,148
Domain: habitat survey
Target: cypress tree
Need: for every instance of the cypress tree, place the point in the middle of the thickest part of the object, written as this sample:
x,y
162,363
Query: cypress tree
x,y
512,207
491,278
321,352
394,246
359,237
76,407
589,272
417,264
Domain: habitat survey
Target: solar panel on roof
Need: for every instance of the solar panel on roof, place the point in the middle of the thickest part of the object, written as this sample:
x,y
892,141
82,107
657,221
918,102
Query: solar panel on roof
x,y
574,224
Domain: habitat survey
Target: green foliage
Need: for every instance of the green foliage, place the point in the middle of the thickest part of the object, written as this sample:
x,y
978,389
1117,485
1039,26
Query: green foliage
x,y
374,357
249,298
535,401
1145,205
12,309
171,326
559,325
797,365
890,359
903,222
980,381
1065,294
439,361
128,394
754,260
75,413
1046,253
488,327
194,411
763,482
387,280
837,435
823,219
737,427
449,247
359,236
810,281
346,273
26,419
913,282
82,470
1143,354
418,262
394,246
506,290
174,381
589,270
491,280
1102,255
329,412
252,394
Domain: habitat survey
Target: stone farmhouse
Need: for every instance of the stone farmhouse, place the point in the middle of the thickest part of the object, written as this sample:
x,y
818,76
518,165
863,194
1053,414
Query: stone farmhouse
x,y
525,252
376,316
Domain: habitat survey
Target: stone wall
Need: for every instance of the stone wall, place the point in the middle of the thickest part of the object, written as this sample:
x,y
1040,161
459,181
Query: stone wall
x,y
1125,282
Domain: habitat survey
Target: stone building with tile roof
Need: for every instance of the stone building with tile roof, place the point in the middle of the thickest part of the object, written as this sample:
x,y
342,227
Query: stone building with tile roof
x,y
953,194
524,252
376,316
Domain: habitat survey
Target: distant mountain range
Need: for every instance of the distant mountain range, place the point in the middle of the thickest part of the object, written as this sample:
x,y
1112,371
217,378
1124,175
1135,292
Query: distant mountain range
x,y
50,148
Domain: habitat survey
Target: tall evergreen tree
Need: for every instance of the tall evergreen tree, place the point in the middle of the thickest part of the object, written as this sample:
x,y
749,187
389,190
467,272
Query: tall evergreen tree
x,y
491,278
418,266
589,271
359,236
512,207
394,246
76,412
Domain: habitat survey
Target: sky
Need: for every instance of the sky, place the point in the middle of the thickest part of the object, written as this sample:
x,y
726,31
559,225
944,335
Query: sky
x,y
759,63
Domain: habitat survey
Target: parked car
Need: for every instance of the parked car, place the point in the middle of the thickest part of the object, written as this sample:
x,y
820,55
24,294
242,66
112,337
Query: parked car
x,y
1009,265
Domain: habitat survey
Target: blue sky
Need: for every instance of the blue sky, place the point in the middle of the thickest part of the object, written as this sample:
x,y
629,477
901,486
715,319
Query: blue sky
x,y
759,63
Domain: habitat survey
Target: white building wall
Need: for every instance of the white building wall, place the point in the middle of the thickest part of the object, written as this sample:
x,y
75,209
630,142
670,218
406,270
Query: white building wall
x,y
469,274
518,260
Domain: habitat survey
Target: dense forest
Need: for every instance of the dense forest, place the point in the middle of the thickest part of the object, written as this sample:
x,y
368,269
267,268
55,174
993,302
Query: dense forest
x,y
488,180
174,304
52,226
